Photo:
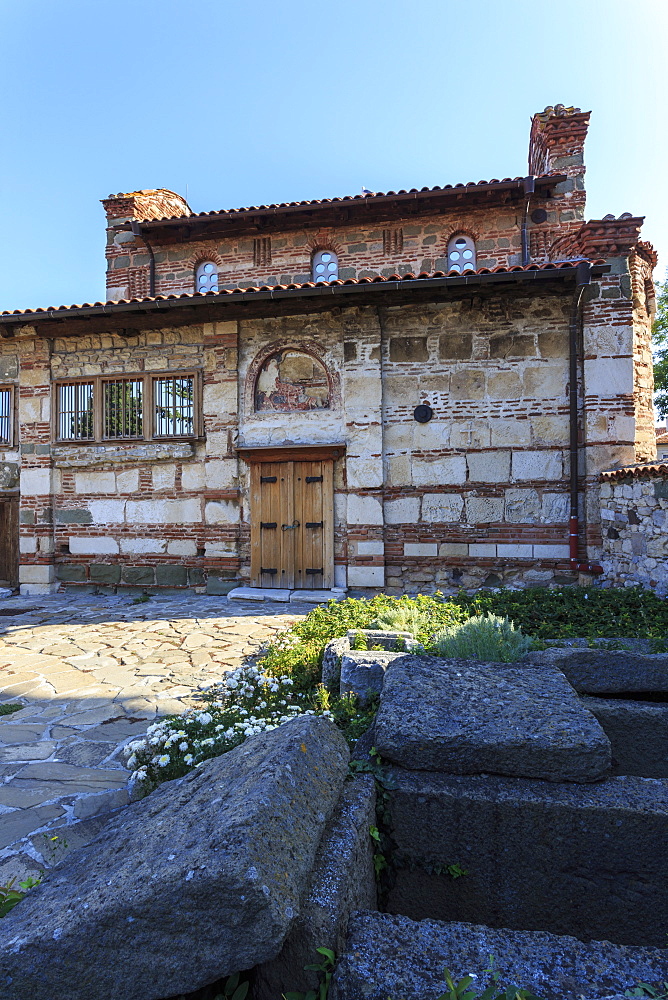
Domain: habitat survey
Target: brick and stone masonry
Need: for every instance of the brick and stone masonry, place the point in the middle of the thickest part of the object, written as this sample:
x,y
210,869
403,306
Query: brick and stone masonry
x,y
477,495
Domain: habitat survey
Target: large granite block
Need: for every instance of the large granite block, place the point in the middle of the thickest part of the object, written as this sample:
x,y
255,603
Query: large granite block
x,y
342,881
464,717
598,671
587,860
201,879
638,734
393,956
363,674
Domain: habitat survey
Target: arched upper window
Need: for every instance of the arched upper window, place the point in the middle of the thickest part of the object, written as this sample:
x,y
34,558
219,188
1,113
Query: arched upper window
x,y
461,253
325,265
206,278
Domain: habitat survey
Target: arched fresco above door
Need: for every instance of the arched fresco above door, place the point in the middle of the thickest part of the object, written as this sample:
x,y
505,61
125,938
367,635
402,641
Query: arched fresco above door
x,y
292,380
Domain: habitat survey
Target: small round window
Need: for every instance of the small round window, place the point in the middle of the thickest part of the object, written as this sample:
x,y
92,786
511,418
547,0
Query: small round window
x,y
461,253
206,278
325,266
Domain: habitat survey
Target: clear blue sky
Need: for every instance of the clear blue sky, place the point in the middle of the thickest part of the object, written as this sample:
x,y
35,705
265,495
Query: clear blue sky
x,y
247,103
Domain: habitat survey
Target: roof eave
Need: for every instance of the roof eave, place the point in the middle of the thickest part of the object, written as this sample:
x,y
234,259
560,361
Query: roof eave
x,y
318,297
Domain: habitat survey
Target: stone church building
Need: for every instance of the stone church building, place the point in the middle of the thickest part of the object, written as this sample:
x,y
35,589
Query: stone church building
x,y
411,390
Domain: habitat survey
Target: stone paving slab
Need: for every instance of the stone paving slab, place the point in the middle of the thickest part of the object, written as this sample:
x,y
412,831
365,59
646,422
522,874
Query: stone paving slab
x,y
92,674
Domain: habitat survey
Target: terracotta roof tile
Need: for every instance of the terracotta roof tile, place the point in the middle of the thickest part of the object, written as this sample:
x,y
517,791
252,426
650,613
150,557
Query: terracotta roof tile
x,y
393,278
369,196
645,470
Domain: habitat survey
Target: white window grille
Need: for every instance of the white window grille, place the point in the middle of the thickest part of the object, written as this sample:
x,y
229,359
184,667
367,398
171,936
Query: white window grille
x,y
174,413
123,408
75,412
6,415
206,277
461,253
325,265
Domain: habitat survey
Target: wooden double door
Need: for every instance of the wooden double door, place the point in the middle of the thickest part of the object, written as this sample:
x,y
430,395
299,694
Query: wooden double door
x,y
292,525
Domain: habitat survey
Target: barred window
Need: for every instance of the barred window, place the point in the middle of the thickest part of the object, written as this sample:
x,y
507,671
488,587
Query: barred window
x,y
6,415
123,408
75,412
174,406
135,408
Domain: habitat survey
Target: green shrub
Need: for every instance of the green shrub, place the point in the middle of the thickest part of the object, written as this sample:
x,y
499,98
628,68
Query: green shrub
x,y
485,637
402,618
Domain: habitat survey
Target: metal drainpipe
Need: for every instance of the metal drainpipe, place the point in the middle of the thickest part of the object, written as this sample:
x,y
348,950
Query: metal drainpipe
x,y
529,188
582,279
137,233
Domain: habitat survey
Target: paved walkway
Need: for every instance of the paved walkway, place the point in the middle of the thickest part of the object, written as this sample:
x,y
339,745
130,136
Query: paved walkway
x,y
93,673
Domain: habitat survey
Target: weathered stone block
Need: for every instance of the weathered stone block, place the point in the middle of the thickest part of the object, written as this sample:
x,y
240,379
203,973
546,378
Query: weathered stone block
x,y
218,586
331,661
171,576
464,717
638,734
240,873
445,470
512,346
389,955
455,346
138,576
364,510
366,576
442,507
522,506
219,512
163,511
9,475
342,882
483,510
94,482
408,349
107,511
363,674
504,386
546,382
143,545
75,515
9,367
489,466
71,573
105,573
467,384
420,548
606,671
94,545
540,855
530,465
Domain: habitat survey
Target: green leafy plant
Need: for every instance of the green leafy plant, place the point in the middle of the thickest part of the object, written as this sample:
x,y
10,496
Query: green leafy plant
x,y
645,990
142,599
324,968
9,896
9,708
402,618
483,637
461,990
456,871
233,989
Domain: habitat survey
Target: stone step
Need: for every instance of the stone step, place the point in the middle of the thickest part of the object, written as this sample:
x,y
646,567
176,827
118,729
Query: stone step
x,y
393,956
554,856
465,717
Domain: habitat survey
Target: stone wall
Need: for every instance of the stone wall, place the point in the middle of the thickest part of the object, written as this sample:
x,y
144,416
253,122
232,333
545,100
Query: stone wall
x,y
478,495
634,521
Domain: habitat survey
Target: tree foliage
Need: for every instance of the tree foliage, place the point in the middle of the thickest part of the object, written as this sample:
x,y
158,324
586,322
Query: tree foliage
x,y
660,345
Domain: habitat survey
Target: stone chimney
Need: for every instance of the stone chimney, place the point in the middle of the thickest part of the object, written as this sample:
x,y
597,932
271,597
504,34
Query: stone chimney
x,y
556,146
127,257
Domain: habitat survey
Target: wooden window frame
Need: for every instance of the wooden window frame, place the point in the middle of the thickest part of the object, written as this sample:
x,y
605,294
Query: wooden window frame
x,y
148,380
11,389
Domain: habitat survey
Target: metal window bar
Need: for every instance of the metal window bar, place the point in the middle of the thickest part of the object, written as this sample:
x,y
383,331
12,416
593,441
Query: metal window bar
x,y
174,414
123,408
6,416
75,412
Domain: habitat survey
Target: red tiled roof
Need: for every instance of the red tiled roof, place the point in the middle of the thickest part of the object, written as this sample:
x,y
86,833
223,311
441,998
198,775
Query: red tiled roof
x,y
469,186
392,279
662,436
645,471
